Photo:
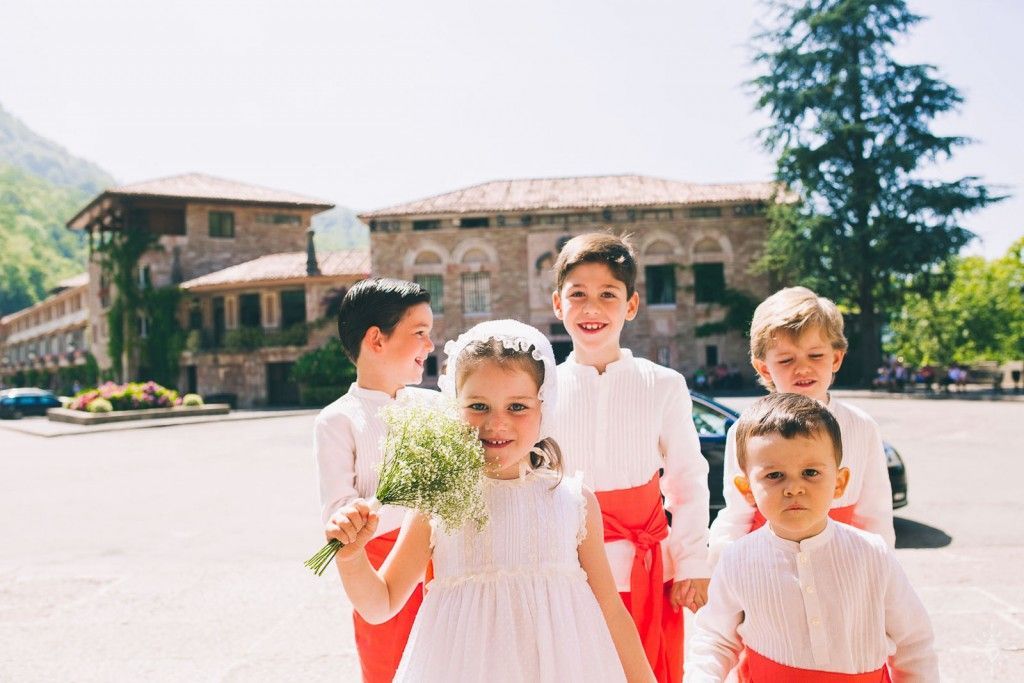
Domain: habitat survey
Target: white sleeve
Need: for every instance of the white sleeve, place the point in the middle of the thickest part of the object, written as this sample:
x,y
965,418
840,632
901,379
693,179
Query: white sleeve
x,y
335,463
907,625
715,644
734,520
873,509
685,486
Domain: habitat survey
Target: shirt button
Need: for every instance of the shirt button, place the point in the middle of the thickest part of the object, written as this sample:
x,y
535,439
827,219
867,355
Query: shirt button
x,y
802,559
810,589
816,621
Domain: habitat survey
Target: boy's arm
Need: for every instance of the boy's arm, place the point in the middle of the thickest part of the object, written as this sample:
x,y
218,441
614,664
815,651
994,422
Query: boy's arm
x,y
734,520
599,575
379,595
908,625
335,451
715,644
685,486
874,507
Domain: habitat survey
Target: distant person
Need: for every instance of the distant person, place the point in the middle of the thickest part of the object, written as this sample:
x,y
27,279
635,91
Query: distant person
x,y
384,326
805,598
796,346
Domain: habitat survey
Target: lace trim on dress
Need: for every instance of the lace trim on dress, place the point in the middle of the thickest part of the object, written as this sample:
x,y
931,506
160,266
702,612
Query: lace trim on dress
x,y
575,485
486,575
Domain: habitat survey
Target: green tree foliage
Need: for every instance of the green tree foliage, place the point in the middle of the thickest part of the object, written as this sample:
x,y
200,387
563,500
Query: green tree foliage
x,y
23,148
851,127
979,317
36,250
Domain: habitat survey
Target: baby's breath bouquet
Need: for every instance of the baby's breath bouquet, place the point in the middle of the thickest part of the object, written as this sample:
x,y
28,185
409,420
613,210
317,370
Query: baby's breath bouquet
x,y
433,462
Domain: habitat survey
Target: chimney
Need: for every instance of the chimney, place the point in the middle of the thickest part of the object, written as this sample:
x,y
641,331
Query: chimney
x,y
311,265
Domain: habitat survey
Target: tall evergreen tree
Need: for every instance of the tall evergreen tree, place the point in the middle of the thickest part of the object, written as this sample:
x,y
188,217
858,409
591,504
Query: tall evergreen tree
x,y
851,127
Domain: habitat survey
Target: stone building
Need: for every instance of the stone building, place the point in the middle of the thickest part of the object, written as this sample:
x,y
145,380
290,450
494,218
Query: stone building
x,y
204,224
49,336
250,322
486,252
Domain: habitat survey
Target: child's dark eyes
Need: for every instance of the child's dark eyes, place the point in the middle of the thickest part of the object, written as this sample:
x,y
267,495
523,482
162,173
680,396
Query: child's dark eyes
x,y
773,475
608,295
518,407
478,407
810,473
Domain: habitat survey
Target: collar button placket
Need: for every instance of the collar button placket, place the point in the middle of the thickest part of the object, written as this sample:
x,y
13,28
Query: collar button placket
x,y
603,390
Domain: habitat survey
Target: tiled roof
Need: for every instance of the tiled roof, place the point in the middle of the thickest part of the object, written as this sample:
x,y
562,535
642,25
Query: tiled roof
x,y
79,280
286,266
200,186
595,192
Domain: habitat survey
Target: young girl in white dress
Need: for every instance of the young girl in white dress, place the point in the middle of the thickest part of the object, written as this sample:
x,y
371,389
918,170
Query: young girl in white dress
x,y
530,597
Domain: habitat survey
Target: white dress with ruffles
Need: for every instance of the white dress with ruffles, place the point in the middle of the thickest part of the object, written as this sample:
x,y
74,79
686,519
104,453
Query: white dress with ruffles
x,y
511,603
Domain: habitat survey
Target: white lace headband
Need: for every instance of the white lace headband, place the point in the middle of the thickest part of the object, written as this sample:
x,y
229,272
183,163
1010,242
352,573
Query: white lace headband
x,y
513,335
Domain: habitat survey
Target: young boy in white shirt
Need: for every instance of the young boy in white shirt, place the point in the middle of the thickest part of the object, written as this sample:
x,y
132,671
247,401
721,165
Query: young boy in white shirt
x,y
797,345
620,421
384,326
805,599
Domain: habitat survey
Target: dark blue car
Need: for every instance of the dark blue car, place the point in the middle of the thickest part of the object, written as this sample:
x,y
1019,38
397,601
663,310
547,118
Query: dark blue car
x,y
713,420
16,403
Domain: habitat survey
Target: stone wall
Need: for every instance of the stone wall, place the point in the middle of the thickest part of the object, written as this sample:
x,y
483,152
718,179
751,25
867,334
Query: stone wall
x,y
519,259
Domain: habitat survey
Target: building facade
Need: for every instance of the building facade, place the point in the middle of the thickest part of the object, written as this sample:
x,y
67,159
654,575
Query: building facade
x,y
487,252
48,339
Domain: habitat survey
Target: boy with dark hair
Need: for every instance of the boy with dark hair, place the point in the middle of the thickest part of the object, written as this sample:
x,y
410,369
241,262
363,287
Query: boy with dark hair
x,y
622,420
805,598
384,326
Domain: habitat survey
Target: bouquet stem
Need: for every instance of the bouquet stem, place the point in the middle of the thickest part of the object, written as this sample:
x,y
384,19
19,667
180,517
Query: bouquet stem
x,y
318,563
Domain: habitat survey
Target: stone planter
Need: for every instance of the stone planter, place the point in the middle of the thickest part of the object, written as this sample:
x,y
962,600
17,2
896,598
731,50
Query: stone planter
x,y
80,417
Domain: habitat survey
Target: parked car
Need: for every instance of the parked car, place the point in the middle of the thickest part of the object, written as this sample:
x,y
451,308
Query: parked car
x,y
16,403
713,420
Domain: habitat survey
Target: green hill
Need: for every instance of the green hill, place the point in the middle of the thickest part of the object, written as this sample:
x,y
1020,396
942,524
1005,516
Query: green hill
x,y
23,148
36,250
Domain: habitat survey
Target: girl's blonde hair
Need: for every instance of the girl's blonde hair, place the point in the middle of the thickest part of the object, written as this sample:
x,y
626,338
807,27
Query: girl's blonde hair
x,y
545,452
792,311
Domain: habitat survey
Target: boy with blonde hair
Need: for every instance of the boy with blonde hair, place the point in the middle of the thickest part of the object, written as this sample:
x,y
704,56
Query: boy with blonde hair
x,y
796,346
805,599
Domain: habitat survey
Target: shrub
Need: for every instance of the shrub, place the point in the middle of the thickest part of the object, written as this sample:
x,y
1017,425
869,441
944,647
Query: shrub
x,y
192,400
320,396
99,405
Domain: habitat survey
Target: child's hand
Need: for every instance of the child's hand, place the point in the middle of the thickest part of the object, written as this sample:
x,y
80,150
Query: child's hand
x,y
352,525
699,593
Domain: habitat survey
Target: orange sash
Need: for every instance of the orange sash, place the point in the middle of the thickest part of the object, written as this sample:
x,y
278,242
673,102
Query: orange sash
x,y
755,668
636,515
843,515
380,646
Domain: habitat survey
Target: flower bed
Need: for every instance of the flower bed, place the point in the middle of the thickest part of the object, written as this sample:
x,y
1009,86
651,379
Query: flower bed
x,y
130,396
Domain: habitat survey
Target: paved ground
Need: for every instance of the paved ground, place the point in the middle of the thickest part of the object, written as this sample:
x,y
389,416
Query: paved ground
x,y
176,554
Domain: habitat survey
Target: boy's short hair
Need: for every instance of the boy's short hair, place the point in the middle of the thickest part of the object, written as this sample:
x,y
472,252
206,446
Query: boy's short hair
x,y
789,415
375,302
790,311
598,247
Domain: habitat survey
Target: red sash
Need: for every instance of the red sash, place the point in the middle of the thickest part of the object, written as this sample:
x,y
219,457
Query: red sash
x,y
843,515
636,515
755,668
380,646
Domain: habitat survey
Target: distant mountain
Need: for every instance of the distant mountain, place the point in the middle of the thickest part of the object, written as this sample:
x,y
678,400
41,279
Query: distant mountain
x,y
338,229
23,148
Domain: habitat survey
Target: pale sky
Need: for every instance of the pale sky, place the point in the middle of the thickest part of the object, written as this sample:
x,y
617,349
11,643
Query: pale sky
x,y
376,102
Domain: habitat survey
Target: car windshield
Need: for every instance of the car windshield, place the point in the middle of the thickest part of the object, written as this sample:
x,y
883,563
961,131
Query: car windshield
x,y
709,422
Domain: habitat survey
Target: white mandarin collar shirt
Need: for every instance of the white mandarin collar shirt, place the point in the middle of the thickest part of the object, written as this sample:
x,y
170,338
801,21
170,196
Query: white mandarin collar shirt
x,y
347,437
838,602
619,428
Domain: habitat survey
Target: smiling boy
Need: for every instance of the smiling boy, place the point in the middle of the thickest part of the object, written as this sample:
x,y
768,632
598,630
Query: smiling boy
x,y
384,326
797,345
621,420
